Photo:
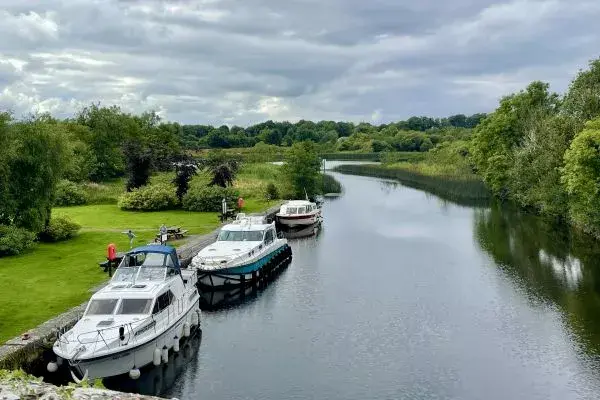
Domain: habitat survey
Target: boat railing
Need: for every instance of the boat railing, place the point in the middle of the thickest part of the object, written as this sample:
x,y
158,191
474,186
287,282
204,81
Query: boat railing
x,y
109,334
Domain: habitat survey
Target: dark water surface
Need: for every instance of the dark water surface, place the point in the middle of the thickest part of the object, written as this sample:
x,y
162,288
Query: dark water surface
x,y
404,296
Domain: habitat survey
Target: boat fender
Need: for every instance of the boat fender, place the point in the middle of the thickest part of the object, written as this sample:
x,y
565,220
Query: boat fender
x,y
52,367
156,357
59,361
134,373
186,329
194,319
176,344
165,354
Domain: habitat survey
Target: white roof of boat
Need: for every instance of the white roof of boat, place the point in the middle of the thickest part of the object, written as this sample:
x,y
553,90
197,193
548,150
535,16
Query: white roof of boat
x,y
298,203
141,290
246,226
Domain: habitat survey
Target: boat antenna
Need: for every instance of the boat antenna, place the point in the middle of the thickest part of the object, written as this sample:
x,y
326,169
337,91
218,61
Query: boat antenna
x,y
306,194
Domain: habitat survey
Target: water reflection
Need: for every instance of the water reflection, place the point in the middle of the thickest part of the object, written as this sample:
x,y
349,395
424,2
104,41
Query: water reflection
x,y
155,381
552,262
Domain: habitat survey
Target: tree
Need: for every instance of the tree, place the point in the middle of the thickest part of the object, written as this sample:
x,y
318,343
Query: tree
x,y
185,169
222,168
581,177
302,169
501,133
138,163
582,101
35,166
426,145
106,138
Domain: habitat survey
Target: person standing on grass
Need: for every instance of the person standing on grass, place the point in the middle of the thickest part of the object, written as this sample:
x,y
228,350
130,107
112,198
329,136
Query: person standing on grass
x,y
131,236
163,231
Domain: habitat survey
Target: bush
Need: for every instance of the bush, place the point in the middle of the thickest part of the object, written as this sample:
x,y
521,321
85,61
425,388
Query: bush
x,y
330,185
271,192
15,240
208,198
68,193
59,229
149,198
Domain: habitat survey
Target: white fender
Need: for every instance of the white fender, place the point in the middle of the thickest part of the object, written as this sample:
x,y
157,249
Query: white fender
x,y
186,329
176,344
134,373
165,354
156,357
52,367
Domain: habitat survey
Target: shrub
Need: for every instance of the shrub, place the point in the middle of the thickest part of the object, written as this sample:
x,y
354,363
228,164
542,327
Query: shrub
x,y
271,192
68,193
330,185
15,240
59,229
149,198
208,198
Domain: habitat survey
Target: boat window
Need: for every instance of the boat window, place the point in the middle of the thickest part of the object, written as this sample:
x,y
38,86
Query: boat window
x,y
163,301
308,208
135,306
102,307
155,274
154,260
269,236
300,210
170,262
292,210
239,236
124,274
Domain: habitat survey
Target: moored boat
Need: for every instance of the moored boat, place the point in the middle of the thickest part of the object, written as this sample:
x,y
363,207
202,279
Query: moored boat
x,y
135,320
244,251
298,213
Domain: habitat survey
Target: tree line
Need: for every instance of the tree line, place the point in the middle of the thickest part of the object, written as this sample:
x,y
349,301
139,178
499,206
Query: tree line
x,y
542,149
405,135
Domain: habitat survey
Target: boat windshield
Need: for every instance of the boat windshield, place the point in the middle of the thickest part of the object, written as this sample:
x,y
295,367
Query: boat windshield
x,y
240,236
134,306
140,274
102,307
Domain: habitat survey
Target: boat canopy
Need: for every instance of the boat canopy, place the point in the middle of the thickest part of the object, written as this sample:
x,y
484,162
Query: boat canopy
x,y
153,256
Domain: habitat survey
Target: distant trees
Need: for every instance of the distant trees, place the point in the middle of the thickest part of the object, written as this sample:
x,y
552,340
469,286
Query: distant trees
x,y
197,137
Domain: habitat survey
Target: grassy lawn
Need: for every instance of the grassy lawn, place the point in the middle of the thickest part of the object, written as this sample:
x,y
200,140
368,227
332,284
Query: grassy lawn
x,y
52,278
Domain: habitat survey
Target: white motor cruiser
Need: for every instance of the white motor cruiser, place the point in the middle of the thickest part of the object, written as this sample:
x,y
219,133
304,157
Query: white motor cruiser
x,y
299,213
244,249
147,307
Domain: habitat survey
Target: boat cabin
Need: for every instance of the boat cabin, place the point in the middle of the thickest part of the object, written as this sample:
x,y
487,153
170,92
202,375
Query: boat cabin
x,y
248,232
298,207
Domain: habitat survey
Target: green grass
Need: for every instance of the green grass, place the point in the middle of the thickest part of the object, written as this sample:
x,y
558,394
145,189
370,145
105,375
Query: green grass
x,y
104,193
109,217
52,278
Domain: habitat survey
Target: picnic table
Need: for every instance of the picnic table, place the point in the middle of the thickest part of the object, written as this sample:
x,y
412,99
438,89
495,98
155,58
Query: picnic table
x,y
174,232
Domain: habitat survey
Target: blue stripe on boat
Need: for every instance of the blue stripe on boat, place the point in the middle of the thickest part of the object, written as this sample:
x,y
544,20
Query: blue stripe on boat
x,y
248,268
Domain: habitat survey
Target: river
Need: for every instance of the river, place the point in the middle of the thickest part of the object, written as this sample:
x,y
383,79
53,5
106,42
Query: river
x,y
405,296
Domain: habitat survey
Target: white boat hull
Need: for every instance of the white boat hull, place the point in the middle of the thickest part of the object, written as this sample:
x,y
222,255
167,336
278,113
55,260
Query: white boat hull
x,y
122,362
295,221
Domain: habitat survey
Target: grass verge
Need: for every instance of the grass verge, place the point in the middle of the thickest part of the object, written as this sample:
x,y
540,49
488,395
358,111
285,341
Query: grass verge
x,y
465,190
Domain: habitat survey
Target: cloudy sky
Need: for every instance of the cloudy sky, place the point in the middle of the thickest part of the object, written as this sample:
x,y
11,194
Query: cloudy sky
x,y
245,61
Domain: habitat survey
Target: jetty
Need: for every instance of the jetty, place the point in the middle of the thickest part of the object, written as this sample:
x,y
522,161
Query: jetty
x,y
25,351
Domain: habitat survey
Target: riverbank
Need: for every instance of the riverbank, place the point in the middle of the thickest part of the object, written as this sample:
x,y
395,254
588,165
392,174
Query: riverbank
x,y
462,189
18,385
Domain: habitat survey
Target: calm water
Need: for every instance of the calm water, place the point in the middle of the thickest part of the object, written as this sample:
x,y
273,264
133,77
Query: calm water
x,y
403,296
